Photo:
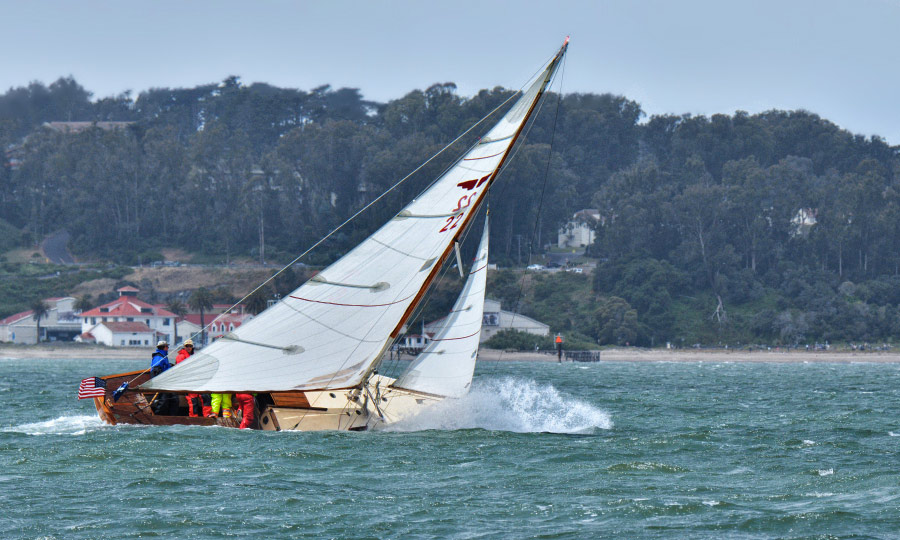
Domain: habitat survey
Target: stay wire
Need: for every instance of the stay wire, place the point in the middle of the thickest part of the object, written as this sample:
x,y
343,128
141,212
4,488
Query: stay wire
x,y
537,221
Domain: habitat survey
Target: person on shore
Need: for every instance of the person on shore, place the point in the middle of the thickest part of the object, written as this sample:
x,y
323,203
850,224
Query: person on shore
x,y
195,401
245,403
165,404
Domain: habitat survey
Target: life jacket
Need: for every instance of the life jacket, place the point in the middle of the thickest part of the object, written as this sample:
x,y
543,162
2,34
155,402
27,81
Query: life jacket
x,y
183,354
159,362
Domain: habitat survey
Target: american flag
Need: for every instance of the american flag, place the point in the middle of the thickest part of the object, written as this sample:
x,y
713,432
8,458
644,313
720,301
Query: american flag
x,y
92,387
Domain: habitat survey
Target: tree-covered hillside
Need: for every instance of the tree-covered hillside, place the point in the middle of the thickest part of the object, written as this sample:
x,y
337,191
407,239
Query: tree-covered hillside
x,y
777,227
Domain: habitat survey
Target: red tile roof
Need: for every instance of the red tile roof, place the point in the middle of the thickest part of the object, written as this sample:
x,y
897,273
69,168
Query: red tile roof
x,y
127,326
17,317
127,306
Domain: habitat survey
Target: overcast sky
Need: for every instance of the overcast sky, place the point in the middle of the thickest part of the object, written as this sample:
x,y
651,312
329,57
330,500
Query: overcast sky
x,y
838,59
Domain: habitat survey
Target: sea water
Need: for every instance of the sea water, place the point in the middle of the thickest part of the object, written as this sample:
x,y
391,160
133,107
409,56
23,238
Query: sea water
x,y
604,450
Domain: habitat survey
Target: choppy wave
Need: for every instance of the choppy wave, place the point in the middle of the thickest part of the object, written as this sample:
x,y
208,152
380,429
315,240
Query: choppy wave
x,y
64,425
510,404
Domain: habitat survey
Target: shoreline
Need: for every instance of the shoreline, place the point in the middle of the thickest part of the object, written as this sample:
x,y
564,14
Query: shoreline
x,y
61,351
716,356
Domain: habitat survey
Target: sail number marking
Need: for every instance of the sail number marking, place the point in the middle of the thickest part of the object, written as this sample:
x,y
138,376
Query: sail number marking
x,y
464,201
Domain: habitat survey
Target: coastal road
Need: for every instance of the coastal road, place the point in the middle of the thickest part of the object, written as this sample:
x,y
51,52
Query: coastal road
x,y
54,248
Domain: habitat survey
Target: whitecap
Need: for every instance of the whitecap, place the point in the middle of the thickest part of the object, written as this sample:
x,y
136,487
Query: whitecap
x,y
64,425
510,404
807,442
892,434
826,472
712,503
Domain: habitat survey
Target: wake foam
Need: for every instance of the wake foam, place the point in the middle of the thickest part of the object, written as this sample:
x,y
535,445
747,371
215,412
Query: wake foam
x,y
510,404
64,425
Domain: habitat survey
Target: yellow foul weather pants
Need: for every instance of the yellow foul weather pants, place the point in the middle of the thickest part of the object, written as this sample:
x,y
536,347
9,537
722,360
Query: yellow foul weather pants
x,y
223,402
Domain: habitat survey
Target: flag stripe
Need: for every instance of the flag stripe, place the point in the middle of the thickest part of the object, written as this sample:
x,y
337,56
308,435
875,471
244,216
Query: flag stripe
x,y
91,387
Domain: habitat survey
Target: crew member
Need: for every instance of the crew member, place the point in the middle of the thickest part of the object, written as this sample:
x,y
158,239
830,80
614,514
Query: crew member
x,y
248,409
195,401
159,361
559,342
165,403
220,402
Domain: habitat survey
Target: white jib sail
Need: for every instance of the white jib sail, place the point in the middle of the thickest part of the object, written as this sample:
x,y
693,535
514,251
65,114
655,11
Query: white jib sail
x,y
446,365
329,331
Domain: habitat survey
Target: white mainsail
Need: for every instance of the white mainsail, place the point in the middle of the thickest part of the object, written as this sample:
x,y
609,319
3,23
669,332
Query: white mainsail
x,y
330,331
446,365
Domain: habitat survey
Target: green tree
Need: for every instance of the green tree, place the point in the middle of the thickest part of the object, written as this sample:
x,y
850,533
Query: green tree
x,y
616,322
201,300
257,302
83,303
40,310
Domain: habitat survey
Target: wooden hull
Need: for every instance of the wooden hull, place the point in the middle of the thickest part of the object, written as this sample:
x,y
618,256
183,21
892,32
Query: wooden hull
x,y
378,405
133,407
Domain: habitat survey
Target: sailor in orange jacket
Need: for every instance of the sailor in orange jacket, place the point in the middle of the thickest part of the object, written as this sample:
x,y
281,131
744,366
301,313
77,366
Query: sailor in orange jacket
x,y
195,401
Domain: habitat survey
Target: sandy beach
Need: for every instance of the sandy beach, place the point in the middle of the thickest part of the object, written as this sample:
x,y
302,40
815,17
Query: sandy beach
x,y
76,350
662,355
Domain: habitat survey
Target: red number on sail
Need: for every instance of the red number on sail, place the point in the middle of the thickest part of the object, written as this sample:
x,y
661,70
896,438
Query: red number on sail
x,y
452,222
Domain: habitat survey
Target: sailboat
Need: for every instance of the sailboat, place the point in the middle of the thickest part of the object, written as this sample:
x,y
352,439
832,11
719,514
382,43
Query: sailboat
x,y
312,359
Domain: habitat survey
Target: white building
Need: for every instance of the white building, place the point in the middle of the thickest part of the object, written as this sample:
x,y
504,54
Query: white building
x,y
60,324
495,319
155,320
415,342
122,334
579,232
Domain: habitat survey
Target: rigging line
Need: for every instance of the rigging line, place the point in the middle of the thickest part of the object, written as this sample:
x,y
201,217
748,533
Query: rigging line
x,y
366,207
520,146
460,159
540,202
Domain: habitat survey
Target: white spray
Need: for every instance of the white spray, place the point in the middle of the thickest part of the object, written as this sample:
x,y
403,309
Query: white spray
x,y
510,404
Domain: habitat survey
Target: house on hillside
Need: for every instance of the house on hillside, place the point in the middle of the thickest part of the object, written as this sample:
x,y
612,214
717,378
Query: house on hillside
x,y
78,127
149,320
579,232
415,342
60,324
495,319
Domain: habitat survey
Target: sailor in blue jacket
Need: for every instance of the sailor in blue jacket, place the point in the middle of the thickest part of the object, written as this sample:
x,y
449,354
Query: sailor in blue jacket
x,y
159,362
165,404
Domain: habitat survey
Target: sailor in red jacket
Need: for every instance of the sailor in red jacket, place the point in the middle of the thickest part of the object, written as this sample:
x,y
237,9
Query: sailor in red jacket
x,y
248,409
195,401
